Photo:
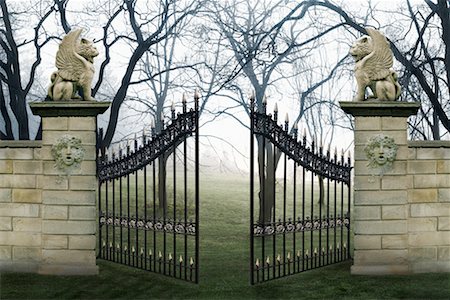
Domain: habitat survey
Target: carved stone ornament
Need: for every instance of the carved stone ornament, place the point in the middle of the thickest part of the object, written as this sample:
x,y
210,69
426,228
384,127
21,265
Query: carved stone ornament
x,y
68,153
74,61
381,152
373,67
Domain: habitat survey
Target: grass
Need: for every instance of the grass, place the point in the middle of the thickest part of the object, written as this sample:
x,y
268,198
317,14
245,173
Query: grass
x,y
224,268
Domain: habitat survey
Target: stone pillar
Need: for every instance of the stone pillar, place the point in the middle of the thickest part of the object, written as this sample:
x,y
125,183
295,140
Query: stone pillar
x,y
68,211
380,214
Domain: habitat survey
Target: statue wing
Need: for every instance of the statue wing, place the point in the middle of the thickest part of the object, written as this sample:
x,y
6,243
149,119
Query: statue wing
x,y
70,65
379,64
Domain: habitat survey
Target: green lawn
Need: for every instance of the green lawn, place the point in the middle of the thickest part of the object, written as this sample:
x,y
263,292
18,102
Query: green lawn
x,y
224,267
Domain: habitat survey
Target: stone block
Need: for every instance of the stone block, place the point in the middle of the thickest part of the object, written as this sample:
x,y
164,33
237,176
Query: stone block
x,y
87,168
422,224
380,257
26,196
380,269
54,241
429,266
55,123
5,195
55,212
90,153
82,242
423,239
422,167
50,138
400,137
68,227
23,181
5,223
46,154
433,153
27,253
50,169
37,153
86,183
366,183
365,242
5,253
368,123
27,167
380,227
367,212
393,212
82,213
19,210
422,195
444,253
443,166
69,197
6,166
380,197
16,153
430,210
54,182
394,123
444,195
395,182
422,254
6,180
444,223
11,238
82,123
443,180
69,257
27,224
394,241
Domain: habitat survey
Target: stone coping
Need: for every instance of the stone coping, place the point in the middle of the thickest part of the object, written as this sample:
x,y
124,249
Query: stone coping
x,y
380,108
69,108
20,144
429,144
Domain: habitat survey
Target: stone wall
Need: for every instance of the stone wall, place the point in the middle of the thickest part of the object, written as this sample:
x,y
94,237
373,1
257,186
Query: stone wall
x,y
48,217
400,218
20,205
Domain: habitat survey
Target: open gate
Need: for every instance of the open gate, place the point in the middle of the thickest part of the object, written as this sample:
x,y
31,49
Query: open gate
x,y
148,199
301,221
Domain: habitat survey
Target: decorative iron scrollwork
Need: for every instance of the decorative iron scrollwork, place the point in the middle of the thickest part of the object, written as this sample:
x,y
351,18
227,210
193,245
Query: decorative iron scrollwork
x,y
168,226
314,161
290,226
180,128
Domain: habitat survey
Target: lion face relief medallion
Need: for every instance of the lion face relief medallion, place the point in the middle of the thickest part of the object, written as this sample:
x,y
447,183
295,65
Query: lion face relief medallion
x,y
68,153
381,152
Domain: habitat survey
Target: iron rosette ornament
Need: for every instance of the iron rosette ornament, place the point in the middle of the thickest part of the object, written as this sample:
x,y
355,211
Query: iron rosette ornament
x,y
68,154
381,152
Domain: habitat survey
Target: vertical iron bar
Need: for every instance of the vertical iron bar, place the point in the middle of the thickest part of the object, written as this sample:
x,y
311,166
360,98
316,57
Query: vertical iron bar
x,y
114,218
145,218
106,223
185,203
328,221
334,231
312,218
128,217
349,216
197,187
99,224
154,216
174,210
137,211
263,202
342,218
252,166
303,218
294,215
284,214
121,218
274,201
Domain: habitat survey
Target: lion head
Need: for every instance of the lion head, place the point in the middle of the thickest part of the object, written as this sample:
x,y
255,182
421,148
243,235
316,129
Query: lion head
x,y
68,153
361,47
381,152
87,49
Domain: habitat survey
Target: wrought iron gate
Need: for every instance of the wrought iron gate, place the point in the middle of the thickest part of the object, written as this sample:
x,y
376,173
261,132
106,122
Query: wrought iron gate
x,y
148,220
301,222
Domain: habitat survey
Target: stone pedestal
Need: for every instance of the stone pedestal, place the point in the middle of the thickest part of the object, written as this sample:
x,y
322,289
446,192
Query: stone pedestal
x,y
380,214
68,209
